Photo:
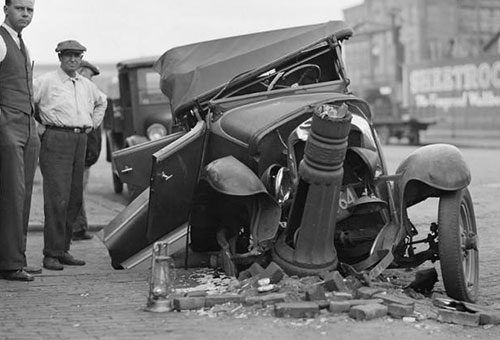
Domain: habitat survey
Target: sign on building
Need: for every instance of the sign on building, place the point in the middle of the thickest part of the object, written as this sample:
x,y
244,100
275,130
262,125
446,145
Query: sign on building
x,y
460,84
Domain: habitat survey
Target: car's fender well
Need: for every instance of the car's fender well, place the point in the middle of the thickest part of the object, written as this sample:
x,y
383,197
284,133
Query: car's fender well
x,y
429,170
229,176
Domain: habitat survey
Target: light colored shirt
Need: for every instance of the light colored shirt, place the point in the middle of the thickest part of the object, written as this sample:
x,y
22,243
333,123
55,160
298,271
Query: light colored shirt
x,y
69,102
3,47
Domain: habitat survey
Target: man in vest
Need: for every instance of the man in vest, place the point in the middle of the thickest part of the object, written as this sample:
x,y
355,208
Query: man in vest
x,y
19,143
70,107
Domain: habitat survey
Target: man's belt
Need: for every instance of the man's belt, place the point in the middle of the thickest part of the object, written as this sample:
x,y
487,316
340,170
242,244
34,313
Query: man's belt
x,y
85,129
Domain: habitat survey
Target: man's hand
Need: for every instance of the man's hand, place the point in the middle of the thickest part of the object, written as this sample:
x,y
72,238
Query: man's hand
x,y
40,128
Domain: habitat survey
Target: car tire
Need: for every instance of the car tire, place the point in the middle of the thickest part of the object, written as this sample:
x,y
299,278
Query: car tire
x,y
117,184
458,254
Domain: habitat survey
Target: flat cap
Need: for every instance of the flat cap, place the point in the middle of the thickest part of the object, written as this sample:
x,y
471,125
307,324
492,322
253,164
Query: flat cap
x,y
70,45
91,67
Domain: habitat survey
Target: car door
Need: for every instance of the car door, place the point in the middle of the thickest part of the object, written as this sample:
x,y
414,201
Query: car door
x,y
133,164
174,178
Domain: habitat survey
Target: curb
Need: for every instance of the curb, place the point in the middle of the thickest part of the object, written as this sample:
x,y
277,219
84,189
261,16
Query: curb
x,y
39,227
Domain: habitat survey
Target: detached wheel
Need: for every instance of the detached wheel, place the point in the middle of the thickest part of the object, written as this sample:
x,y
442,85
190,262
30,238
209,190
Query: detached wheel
x,y
458,243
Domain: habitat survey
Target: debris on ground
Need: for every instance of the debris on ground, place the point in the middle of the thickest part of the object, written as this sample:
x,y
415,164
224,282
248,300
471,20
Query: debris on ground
x,y
424,281
270,292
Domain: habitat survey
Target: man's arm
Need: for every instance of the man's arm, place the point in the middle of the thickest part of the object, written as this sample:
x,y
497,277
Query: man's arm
x,y
37,90
100,104
3,50
37,96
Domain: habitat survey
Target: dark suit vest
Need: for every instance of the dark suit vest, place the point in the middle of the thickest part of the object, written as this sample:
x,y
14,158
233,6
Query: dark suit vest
x,y
16,77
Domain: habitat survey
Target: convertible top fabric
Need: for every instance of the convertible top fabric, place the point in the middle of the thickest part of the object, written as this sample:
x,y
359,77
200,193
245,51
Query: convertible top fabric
x,y
188,72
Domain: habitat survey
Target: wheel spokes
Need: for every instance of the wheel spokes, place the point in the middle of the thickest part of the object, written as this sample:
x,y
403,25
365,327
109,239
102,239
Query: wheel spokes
x,y
469,242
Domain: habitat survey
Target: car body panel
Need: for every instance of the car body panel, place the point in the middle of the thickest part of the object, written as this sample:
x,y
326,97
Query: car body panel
x,y
125,235
429,170
232,178
174,176
133,164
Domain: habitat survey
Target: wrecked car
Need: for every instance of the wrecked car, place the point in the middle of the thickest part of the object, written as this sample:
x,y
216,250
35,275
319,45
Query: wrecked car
x,y
275,159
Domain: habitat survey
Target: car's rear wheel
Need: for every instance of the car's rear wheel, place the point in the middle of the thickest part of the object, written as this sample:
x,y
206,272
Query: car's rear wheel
x,y
458,251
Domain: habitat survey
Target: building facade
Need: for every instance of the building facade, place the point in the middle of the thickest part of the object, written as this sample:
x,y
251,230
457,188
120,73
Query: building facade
x,y
390,35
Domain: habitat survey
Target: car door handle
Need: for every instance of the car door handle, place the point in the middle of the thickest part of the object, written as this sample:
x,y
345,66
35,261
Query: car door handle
x,y
126,170
165,176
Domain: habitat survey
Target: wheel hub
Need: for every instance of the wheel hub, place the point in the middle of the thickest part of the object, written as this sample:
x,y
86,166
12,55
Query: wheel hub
x,y
471,242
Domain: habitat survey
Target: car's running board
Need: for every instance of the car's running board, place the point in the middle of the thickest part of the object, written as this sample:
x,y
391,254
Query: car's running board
x,y
176,241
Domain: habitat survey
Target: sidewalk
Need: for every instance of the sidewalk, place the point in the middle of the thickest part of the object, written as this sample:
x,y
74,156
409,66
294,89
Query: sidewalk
x,y
93,301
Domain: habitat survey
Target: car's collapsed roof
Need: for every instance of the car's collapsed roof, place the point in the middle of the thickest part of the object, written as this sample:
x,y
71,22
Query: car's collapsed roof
x,y
193,71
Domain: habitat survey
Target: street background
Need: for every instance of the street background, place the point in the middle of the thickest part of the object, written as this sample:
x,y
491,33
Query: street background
x,y
96,301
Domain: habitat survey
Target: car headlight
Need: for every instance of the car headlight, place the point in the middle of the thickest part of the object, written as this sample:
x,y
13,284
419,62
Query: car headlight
x,y
156,131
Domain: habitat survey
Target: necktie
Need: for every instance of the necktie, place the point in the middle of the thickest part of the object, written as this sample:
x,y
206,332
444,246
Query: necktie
x,y
22,47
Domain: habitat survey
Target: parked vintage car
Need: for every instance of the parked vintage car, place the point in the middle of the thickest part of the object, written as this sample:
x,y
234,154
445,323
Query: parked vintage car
x,y
277,160
140,114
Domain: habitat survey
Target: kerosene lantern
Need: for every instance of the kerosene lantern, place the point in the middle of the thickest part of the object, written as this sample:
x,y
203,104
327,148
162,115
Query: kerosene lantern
x,y
162,279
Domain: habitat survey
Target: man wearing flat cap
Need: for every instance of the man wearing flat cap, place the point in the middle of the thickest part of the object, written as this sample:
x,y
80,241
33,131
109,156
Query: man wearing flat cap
x,y
94,141
70,106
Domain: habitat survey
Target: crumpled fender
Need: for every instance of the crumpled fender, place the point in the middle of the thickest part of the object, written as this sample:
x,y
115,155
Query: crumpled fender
x,y
229,176
429,170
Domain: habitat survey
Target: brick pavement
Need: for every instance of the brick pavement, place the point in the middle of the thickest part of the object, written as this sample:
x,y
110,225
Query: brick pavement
x,y
93,301
96,302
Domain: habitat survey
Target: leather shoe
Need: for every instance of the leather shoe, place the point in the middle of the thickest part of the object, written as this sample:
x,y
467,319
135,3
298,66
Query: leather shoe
x,y
68,259
32,269
81,236
52,263
16,275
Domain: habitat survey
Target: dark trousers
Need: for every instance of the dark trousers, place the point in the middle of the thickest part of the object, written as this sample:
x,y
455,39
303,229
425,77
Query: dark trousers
x,y
62,157
81,224
19,146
